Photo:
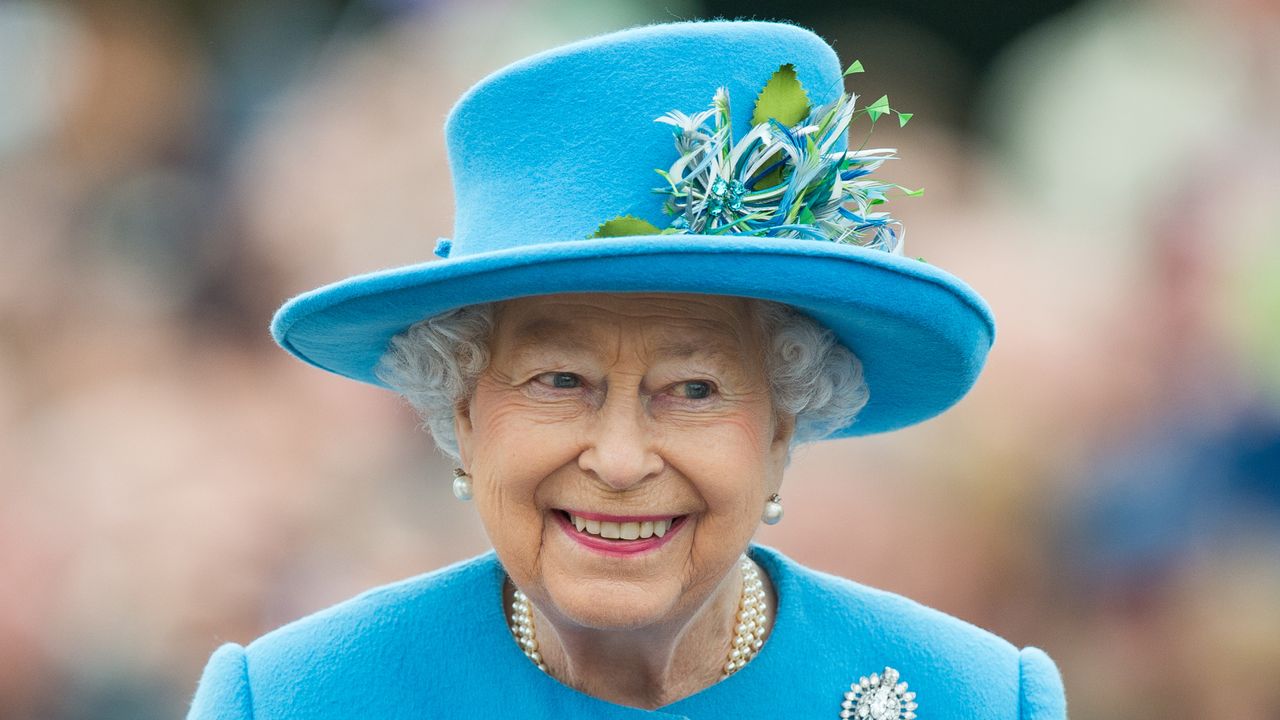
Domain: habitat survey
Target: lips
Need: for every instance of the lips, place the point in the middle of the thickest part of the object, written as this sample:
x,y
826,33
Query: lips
x,y
614,534
621,530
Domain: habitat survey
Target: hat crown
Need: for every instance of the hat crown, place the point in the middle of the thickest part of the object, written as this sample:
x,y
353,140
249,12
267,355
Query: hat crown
x,y
548,148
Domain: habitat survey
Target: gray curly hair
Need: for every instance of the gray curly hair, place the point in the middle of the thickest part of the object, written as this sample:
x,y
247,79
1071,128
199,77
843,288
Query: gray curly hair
x,y
435,364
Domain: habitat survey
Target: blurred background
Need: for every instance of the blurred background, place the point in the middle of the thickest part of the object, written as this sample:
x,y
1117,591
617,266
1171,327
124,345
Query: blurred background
x,y
1106,173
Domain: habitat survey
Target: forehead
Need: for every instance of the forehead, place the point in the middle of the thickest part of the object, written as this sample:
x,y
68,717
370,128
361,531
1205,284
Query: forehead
x,y
666,324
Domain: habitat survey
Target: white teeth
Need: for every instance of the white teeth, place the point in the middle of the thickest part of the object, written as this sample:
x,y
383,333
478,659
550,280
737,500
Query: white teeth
x,y
624,530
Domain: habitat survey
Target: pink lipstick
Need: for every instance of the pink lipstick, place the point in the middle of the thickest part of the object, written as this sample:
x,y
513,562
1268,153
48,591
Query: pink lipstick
x,y
619,547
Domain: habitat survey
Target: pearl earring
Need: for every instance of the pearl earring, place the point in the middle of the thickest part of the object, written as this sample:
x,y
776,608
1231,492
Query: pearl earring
x,y
461,484
772,510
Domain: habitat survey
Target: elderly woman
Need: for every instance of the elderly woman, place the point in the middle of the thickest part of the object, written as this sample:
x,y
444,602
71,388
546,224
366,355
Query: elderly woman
x,y
622,399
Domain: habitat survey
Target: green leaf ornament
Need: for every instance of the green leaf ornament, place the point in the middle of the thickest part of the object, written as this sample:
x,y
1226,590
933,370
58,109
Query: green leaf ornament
x,y
783,99
879,108
625,225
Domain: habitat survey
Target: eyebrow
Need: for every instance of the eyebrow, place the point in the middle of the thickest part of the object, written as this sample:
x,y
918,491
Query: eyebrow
x,y
683,348
551,332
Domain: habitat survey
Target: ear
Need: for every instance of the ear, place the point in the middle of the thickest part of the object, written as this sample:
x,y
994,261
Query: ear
x,y
784,427
462,431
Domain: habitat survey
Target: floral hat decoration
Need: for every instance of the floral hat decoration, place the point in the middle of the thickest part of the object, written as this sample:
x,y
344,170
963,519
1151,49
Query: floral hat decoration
x,y
784,178
553,164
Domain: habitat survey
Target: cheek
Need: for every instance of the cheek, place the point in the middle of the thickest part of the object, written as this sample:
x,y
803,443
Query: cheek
x,y
513,522
739,436
728,464
516,452
507,426
501,412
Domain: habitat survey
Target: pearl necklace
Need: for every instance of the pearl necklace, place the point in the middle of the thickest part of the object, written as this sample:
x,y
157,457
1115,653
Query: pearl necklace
x,y
748,633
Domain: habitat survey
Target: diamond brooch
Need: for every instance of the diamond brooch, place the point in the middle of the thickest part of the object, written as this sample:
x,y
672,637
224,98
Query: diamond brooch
x,y
879,697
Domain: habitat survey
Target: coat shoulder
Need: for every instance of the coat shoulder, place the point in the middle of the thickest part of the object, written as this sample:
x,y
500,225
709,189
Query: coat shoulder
x,y
855,630
377,651
417,603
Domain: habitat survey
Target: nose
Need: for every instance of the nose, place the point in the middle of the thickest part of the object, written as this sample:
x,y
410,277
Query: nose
x,y
621,451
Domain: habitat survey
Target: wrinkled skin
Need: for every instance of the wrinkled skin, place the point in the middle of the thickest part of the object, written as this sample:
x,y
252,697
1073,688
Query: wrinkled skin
x,y
625,404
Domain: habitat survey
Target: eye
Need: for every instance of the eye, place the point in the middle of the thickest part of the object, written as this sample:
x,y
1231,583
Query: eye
x,y
694,389
560,380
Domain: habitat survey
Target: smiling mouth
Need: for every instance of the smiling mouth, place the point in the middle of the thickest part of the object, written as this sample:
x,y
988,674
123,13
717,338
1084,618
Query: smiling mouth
x,y
622,530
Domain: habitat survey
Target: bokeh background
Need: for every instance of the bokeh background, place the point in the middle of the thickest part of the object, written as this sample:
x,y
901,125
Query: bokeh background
x,y
1106,173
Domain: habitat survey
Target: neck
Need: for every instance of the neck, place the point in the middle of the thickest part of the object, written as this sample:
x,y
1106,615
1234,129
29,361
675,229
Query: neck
x,y
646,667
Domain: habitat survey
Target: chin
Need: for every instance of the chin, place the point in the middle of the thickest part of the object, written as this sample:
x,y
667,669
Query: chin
x,y
602,605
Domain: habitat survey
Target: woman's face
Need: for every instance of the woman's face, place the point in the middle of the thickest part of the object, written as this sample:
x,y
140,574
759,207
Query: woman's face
x,y
646,418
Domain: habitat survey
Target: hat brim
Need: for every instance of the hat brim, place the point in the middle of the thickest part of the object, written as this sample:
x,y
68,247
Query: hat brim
x,y
922,334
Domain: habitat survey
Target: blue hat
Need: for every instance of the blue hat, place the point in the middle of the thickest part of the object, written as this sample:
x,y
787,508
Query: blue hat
x,y
553,162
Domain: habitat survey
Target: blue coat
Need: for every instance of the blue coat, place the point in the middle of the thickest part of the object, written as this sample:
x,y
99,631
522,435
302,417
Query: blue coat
x,y
438,646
